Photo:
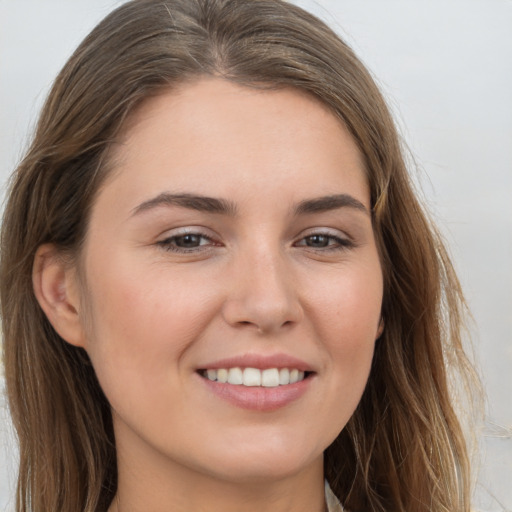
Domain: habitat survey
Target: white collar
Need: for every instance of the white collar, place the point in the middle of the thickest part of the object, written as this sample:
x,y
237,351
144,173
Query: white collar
x,y
333,504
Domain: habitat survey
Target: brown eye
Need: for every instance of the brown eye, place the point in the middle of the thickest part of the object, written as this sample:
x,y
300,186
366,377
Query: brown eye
x,y
318,241
324,242
188,241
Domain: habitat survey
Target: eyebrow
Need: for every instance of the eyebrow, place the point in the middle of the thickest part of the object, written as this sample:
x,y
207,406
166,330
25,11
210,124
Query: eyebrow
x,y
190,201
327,203
226,207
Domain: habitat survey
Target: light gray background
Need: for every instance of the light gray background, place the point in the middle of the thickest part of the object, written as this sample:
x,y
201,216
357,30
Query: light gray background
x,y
446,69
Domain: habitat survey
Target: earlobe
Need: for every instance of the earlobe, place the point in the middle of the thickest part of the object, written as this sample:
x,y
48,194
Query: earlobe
x,y
56,290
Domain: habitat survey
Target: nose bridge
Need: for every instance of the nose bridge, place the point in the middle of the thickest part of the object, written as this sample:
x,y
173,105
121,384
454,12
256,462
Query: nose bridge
x,y
263,290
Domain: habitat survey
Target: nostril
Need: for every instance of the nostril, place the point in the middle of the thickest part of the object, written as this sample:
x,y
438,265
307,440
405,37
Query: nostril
x,y
262,327
246,323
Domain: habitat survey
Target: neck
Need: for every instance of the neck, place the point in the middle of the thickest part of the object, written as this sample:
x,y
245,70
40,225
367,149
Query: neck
x,y
275,497
167,486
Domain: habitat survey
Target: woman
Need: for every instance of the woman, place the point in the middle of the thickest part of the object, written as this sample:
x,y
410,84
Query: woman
x,y
218,287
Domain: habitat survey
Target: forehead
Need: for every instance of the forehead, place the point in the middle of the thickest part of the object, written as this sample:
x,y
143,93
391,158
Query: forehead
x,y
214,137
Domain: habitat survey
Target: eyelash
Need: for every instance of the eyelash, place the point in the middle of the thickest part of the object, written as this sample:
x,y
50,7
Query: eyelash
x,y
169,244
340,244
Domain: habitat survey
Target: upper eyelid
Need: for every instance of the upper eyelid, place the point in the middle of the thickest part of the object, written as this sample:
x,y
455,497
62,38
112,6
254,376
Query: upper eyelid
x,y
332,232
186,230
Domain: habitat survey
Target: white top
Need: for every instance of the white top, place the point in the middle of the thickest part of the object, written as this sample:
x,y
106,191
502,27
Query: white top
x,y
333,504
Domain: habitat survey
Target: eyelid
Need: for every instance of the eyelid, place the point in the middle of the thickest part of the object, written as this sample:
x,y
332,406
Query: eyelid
x,y
187,230
344,241
333,232
165,240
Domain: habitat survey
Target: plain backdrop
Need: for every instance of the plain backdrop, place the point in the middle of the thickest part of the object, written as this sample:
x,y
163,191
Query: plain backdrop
x,y
445,67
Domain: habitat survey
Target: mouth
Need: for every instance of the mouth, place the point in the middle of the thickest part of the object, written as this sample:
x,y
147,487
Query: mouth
x,y
255,377
258,382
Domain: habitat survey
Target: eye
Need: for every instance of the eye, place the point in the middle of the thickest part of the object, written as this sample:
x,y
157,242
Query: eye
x,y
186,242
324,241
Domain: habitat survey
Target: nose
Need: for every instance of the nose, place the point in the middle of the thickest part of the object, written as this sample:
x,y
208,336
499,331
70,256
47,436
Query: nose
x,y
262,293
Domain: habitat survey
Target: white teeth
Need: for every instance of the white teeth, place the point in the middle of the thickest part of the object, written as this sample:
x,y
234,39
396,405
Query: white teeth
x,y
235,376
222,375
270,378
252,377
284,376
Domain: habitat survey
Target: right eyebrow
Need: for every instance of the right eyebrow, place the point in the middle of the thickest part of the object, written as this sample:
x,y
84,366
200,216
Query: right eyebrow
x,y
190,201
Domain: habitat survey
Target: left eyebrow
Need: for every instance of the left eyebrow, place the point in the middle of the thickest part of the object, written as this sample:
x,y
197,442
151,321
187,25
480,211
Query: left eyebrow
x,y
326,203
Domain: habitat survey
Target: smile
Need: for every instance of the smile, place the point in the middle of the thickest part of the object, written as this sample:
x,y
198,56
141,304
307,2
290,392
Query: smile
x,y
254,377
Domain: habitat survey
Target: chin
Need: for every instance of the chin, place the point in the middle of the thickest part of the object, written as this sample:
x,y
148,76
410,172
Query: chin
x,y
258,465
265,471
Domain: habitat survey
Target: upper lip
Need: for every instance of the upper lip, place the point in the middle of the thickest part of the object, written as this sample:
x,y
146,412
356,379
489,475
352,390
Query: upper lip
x,y
259,361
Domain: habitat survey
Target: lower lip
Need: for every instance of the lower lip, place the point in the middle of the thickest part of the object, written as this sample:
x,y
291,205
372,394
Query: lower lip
x,y
259,398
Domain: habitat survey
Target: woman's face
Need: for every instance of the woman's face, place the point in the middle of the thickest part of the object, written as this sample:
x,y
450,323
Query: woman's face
x,y
233,240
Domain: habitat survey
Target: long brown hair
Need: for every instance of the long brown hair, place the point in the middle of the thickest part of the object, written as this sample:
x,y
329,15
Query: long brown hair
x,y
403,449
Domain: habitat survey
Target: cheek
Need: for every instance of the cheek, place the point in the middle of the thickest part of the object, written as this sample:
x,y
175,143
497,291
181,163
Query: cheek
x,y
143,322
349,303
347,317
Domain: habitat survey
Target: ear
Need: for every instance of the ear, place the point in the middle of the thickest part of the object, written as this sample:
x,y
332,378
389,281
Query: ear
x,y
56,289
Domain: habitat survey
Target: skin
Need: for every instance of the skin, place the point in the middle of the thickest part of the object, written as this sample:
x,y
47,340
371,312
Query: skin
x,y
265,279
